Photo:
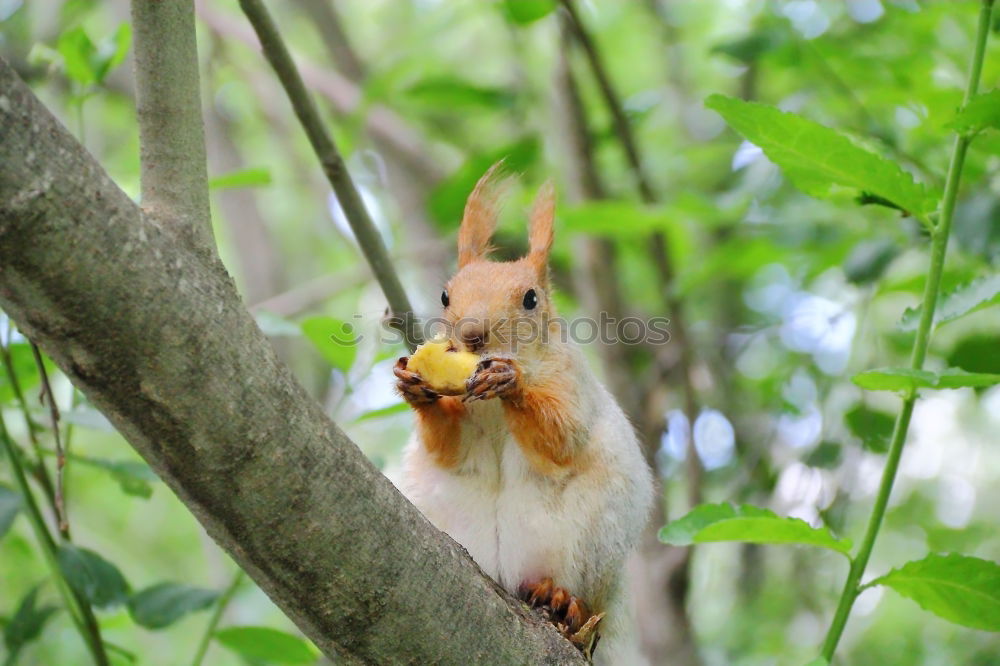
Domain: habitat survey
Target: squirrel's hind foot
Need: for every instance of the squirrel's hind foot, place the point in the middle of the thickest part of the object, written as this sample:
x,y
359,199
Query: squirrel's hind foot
x,y
567,613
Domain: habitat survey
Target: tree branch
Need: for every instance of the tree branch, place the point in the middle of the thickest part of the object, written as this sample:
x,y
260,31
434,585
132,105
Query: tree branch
x,y
345,96
174,175
155,334
335,170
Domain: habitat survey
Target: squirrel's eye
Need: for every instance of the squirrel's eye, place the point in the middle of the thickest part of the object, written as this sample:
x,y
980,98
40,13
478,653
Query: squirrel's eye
x,y
444,298
530,299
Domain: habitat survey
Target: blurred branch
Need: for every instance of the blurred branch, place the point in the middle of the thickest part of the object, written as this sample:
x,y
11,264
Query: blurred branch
x,y
39,471
659,250
336,172
335,38
78,608
344,95
409,181
174,178
49,397
186,376
213,622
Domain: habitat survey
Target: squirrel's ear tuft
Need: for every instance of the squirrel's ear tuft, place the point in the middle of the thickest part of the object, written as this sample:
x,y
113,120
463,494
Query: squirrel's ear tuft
x,y
480,218
540,231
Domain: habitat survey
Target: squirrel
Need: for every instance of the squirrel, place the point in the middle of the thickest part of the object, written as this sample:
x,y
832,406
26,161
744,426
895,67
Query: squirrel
x,y
535,470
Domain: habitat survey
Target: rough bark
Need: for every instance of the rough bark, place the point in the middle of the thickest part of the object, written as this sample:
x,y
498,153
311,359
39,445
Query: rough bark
x,y
168,108
154,333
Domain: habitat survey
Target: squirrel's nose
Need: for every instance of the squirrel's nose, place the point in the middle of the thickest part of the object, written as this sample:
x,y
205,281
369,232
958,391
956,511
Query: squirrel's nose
x,y
474,339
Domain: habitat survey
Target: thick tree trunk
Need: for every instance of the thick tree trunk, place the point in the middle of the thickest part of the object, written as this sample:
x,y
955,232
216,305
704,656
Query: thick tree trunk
x,y
155,334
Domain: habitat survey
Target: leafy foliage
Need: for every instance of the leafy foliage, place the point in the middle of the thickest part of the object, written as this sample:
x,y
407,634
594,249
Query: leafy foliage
x,y
266,644
903,379
982,111
27,623
249,177
964,300
817,158
161,605
962,589
93,577
333,338
724,522
10,504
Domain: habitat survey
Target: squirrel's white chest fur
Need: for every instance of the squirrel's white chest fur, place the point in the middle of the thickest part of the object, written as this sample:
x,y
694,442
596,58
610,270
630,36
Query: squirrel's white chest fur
x,y
510,519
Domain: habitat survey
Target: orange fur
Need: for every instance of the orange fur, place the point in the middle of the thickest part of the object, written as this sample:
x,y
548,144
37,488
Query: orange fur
x,y
540,233
440,424
540,421
480,216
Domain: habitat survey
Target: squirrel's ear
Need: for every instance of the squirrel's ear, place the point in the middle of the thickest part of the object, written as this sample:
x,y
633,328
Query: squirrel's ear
x,y
480,218
540,231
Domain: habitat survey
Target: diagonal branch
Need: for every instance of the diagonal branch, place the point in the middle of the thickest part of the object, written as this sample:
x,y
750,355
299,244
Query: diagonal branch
x,y
154,332
365,232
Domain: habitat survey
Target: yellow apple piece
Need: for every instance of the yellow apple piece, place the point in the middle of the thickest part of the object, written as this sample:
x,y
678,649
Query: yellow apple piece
x,y
444,369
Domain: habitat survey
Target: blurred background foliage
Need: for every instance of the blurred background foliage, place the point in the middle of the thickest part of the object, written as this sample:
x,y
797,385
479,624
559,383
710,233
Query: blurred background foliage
x,y
784,296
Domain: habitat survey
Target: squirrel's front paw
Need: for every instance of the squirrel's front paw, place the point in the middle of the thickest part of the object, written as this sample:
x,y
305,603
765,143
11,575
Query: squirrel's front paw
x,y
412,386
494,378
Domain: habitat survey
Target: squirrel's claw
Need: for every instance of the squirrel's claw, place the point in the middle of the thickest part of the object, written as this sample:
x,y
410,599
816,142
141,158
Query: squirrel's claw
x,y
412,386
493,378
569,614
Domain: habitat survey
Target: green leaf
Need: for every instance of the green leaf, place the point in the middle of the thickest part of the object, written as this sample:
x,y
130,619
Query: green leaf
x,y
249,177
614,218
523,12
964,300
25,369
724,522
959,588
826,455
902,379
335,340
27,623
10,504
78,55
818,661
869,259
112,51
982,111
163,604
383,412
977,353
447,200
448,92
817,158
132,476
267,644
871,426
90,575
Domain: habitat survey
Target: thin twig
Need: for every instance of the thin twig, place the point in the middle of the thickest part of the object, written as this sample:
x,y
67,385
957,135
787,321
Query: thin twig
x,y
345,96
213,621
335,170
47,395
40,472
78,608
